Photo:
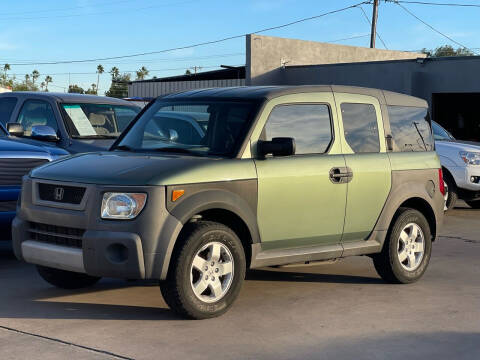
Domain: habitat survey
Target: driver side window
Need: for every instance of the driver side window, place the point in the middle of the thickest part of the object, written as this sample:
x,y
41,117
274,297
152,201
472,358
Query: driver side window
x,y
36,112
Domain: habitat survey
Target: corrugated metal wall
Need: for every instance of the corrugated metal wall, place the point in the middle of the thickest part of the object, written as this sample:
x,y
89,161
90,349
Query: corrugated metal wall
x,y
154,89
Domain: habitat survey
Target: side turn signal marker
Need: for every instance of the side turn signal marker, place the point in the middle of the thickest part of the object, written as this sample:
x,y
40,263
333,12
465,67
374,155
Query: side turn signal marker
x,y
176,194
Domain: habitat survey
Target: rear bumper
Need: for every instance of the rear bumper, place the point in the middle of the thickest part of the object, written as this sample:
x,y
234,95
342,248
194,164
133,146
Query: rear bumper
x,y
80,241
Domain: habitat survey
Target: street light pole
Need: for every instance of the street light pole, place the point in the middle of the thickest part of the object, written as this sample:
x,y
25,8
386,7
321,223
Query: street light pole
x,y
374,24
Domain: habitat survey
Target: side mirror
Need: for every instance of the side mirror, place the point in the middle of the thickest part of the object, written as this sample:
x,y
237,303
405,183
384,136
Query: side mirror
x,y
44,132
280,146
15,129
173,135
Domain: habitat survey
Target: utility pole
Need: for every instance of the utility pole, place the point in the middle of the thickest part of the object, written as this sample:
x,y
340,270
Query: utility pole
x,y
374,24
195,68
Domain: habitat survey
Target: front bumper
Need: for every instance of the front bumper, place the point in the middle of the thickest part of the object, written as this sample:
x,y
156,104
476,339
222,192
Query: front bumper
x,y
462,176
77,239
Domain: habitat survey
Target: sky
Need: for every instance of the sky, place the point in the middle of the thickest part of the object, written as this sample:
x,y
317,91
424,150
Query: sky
x,y
53,30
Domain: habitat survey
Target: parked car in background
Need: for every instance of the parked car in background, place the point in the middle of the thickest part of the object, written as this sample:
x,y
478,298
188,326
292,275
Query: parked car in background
x,y
74,122
461,167
16,160
278,176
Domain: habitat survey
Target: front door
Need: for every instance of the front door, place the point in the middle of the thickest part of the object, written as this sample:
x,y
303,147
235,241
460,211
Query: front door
x,y
301,200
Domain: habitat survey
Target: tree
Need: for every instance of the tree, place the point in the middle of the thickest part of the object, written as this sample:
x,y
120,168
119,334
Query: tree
x,y
188,72
6,68
42,85
92,90
48,79
4,81
114,72
447,50
35,76
27,79
100,70
141,73
75,89
119,86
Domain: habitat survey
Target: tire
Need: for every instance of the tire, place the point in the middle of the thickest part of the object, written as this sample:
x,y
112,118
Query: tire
x,y
452,192
474,204
178,288
66,279
389,264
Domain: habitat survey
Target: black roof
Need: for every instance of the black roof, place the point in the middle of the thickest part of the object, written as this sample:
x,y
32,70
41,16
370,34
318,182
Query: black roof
x,y
69,97
223,74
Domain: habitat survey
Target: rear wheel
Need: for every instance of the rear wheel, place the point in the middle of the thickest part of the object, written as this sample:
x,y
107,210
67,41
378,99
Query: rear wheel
x,y
66,279
451,192
407,249
206,271
474,204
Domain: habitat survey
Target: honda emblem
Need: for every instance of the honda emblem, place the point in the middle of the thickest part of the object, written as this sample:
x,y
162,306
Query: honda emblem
x,y
58,194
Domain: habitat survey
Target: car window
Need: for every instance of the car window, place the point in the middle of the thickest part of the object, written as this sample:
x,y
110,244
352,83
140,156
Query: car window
x,y
309,124
410,128
85,120
7,104
36,112
439,133
360,127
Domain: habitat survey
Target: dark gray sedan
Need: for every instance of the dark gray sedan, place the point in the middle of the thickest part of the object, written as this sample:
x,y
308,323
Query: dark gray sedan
x,y
74,122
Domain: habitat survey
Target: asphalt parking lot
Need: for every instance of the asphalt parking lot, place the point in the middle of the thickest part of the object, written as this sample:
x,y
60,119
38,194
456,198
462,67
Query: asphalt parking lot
x,y
336,311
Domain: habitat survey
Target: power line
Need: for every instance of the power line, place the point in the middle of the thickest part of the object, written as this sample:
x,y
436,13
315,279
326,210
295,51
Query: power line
x,y
370,23
434,29
432,3
197,44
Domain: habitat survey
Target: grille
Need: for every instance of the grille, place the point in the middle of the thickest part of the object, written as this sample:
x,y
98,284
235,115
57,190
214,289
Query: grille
x,y
8,206
69,194
12,170
57,235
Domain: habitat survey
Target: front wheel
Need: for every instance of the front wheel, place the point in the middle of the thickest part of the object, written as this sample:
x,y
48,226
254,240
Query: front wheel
x,y
407,249
66,279
206,271
451,192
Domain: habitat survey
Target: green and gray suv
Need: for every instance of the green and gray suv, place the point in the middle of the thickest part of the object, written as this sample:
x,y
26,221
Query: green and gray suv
x,y
205,184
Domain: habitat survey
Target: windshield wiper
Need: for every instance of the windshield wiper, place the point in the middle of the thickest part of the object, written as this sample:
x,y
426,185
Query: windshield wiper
x,y
176,150
94,136
123,148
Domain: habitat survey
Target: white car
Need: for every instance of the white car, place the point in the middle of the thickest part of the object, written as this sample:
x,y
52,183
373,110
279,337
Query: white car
x,y
461,167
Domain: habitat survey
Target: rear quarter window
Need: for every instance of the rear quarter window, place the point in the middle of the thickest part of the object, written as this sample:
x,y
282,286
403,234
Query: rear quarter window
x,y
411,130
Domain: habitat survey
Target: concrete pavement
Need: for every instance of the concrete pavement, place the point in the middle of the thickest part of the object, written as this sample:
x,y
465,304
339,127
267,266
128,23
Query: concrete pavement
x,y
340,311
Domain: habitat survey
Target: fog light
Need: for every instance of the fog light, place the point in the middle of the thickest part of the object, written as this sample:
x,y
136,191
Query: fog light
x,y
474,179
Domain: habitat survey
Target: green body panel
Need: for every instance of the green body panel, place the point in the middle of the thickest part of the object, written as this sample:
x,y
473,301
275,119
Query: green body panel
x,y
123,168
414,160
367,193
298,205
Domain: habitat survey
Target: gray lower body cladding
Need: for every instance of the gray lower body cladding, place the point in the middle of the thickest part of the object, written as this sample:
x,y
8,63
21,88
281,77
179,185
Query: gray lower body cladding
x,y
79,240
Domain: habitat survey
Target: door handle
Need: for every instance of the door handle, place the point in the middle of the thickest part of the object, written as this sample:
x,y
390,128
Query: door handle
x,y
340,175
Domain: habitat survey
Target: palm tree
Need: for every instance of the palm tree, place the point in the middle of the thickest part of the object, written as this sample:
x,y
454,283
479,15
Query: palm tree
x,y
27,78
6,68
94,88
142,73
42,85
35,76
48,79
100,70
114,72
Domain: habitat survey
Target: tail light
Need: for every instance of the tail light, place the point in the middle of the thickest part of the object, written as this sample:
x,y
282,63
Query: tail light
x,y
441,184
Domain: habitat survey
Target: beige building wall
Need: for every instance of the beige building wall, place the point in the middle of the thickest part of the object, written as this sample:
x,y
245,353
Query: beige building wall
x,y
266,56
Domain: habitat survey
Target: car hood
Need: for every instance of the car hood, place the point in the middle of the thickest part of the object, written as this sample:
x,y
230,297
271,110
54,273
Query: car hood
x,y
89,145
457,145
136,169
17,146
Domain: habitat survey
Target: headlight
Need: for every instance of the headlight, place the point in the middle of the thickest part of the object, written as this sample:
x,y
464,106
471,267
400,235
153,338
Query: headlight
x,y
470,158
122,205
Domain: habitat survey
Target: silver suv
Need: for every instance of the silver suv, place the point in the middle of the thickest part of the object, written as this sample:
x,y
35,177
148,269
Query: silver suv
x,y
461,167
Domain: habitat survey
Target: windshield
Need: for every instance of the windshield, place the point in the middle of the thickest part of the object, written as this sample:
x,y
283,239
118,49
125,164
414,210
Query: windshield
x,y
439,133
198,128
88,120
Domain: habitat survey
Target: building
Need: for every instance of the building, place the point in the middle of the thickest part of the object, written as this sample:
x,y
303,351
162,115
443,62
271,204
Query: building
x,y
450,85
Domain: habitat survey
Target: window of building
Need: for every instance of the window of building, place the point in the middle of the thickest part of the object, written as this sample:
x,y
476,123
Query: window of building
x,y
360,127
309,124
